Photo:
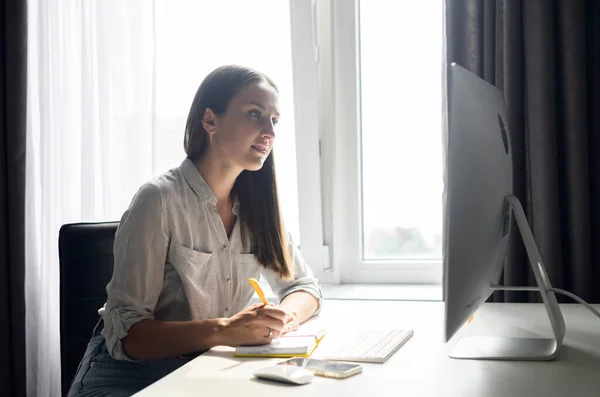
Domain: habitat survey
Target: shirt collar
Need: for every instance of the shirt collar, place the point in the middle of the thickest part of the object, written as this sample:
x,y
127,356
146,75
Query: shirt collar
x,y
200,187
196,181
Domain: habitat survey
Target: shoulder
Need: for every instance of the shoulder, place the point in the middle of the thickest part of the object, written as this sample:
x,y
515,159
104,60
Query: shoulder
x,y
152,200
157,191
162,187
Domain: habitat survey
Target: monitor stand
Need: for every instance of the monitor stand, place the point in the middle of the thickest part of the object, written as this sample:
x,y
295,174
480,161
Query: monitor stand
x,y
520,349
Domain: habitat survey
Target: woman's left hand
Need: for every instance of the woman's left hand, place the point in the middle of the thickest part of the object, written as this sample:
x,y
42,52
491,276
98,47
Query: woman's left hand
x,y
298,307
291,321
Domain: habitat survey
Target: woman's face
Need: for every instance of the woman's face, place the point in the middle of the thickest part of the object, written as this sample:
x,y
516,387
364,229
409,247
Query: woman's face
x,y
245,133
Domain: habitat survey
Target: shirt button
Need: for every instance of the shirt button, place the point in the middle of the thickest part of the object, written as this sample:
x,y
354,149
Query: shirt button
x,y
226,308
229,280
224,246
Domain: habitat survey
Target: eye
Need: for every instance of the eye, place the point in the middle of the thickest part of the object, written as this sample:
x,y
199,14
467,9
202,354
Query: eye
x,y
254,113
275,121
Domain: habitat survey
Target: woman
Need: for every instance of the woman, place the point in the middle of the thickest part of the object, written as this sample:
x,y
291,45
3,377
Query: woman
x,y
189,241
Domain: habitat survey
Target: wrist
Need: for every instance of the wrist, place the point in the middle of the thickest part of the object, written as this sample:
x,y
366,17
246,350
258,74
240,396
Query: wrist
x,y
221,330
216,328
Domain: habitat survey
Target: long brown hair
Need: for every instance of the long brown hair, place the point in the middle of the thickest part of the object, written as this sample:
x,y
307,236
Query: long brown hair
x,y
260,216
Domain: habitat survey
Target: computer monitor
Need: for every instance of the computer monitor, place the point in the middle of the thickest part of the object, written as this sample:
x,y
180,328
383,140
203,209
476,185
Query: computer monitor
x,y
479,210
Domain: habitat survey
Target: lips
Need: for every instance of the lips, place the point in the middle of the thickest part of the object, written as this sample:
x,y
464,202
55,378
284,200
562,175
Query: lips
x,y
260,148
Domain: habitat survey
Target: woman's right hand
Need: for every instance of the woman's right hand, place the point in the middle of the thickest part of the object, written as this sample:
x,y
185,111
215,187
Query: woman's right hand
x,y
251,326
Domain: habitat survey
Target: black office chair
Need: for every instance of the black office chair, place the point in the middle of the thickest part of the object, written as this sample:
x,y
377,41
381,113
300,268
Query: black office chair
x,y
86,265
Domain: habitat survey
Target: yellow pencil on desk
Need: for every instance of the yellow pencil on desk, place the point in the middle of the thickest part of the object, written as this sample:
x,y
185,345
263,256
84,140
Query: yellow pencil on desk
x,y
258,290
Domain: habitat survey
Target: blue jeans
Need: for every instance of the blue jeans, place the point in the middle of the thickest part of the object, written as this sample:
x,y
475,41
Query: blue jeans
x,y
100,375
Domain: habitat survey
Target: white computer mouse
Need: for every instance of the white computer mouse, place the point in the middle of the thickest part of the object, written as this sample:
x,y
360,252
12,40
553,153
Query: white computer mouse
x,y
286,374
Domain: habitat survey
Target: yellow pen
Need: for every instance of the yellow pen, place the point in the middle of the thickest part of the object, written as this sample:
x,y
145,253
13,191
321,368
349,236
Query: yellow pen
x,y
258,290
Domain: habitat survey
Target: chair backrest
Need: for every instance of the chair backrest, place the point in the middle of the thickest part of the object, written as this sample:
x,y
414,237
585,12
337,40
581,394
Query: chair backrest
x,y
86,265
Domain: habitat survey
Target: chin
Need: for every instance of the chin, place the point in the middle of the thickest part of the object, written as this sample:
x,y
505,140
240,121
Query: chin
x,y
254,162
254,165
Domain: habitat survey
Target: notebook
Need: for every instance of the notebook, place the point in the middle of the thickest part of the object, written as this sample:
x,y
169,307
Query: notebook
x,y
292,344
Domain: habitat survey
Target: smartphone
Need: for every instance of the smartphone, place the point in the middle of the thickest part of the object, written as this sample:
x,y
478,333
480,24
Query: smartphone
x,y
328,369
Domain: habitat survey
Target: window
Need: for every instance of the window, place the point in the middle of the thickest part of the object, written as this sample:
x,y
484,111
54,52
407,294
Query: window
x,y
400,134
383,139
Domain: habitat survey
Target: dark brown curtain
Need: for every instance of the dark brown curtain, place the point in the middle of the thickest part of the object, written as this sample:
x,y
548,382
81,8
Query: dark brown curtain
x,y
13,73
545,55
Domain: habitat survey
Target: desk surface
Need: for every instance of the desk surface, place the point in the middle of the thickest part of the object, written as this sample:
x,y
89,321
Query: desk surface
x,y
422,366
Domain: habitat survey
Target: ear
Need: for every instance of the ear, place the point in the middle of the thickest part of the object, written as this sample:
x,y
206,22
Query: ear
x,y
209,121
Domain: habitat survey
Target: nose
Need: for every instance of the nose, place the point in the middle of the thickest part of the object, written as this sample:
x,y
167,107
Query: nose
x,y
268,131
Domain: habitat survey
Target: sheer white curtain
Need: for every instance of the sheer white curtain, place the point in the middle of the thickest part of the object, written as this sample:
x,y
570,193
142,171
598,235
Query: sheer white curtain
x,y
90,142
110,83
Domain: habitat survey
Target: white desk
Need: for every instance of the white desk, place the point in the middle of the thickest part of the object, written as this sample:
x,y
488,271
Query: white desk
x,y
422,366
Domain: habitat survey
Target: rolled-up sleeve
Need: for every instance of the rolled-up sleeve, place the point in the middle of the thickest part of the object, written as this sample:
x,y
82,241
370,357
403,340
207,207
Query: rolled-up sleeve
x,y
304,279
140,248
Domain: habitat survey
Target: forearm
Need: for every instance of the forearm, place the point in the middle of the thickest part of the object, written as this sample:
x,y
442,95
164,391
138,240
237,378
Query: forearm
x,y
149,339
301,303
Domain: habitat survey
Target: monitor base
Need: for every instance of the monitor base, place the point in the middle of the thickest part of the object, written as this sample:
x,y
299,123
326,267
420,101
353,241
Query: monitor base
x,y
509,349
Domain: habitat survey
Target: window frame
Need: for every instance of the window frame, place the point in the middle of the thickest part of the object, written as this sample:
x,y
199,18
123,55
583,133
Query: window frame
x,y
339,126
307,133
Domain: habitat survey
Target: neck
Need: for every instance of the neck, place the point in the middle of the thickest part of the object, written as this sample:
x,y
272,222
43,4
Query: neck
x,y
219,175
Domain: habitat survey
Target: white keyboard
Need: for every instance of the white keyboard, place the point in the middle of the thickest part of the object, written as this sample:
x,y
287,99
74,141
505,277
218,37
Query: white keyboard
x,y
371,346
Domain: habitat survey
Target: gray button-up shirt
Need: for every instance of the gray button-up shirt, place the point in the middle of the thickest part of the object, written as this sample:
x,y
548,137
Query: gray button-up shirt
x,y
173,260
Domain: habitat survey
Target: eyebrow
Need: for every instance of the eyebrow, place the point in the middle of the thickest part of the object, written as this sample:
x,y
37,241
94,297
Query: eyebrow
x,y
260,105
